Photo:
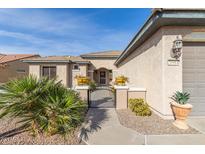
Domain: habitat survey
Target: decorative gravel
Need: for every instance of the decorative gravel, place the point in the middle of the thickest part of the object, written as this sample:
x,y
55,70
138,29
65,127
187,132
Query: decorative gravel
x,y
152,125
10,133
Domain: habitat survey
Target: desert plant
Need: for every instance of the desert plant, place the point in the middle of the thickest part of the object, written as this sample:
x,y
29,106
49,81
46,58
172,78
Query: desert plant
x,y
42,106
139,107
121,80
92,86
180,97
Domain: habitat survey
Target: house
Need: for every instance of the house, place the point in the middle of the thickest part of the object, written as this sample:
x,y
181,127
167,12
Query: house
x,y
11,66
166,55
98,66
151,60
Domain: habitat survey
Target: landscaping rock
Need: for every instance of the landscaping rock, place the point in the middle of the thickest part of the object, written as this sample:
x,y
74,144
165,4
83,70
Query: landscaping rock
x,y
10,134
150,125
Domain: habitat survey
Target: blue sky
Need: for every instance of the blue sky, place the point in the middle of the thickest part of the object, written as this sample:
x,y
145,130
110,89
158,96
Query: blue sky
x,y
68,31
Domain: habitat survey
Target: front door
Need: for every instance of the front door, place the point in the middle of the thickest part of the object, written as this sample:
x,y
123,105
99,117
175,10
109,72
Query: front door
x,y
102,77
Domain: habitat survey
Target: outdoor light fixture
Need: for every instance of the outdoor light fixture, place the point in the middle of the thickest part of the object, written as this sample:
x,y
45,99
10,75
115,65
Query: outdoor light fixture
x,y
177,48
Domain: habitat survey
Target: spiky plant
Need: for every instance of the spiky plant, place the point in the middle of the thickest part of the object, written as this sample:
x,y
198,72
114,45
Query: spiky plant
x,y
42,106
180,97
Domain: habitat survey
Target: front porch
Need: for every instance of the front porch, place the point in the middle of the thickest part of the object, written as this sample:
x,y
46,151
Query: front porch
x,y
102,76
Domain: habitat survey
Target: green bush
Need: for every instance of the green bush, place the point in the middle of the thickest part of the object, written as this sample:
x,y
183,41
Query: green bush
x,y
139,107
42,106
92,86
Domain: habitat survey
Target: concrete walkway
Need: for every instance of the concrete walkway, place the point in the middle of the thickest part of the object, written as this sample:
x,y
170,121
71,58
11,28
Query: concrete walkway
x,y
104,128
102,98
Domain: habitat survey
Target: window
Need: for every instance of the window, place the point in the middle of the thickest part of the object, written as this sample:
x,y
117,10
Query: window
x,y
20,70
49,71
76,67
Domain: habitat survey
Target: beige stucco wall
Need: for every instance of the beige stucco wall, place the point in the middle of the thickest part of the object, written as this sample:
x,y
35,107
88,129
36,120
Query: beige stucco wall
x,y
147,67
34,69
136,94
144,70
10,71
83,70
62,73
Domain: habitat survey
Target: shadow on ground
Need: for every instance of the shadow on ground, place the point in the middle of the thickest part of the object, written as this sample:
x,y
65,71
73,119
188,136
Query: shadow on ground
x,y
12,132
95,117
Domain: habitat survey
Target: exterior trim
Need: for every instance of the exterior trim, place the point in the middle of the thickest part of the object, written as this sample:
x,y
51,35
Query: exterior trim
x,y
159,19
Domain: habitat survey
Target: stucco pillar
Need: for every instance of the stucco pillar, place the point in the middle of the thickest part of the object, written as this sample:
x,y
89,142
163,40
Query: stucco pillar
x,y
83,92
121,97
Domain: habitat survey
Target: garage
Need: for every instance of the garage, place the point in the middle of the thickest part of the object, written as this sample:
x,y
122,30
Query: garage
x,y
194,75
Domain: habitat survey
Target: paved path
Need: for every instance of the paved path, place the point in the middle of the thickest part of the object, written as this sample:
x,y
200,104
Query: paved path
x,y
105,129
102,98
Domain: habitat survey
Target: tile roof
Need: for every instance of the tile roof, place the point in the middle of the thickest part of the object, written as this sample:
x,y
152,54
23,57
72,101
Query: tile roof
x,y
57,59
111,53
14,57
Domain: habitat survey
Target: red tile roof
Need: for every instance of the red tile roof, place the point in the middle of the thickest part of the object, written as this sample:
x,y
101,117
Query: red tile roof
x,y
14,57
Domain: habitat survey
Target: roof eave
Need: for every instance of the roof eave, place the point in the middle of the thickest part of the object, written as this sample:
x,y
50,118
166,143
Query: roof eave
x,y
156,21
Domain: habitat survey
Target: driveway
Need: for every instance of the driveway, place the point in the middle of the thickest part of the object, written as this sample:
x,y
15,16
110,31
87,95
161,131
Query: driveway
x,y
197,123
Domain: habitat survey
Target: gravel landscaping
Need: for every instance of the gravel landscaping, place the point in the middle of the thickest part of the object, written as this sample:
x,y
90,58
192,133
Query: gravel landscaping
x,y
152,125
10,134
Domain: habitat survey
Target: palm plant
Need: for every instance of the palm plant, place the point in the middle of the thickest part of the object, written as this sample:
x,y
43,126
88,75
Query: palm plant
x,y
181,97
42,106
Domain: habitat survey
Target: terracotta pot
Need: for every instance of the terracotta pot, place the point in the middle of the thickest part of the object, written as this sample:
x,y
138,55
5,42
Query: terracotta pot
x,y
181,113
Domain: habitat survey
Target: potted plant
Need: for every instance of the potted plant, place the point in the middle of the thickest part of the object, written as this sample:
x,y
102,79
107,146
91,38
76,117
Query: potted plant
x,y
121,80
82,80
181,109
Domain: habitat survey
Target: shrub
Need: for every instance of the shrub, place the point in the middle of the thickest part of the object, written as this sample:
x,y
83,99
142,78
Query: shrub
x,y
92,86
180,97
139,107
121,80
42,106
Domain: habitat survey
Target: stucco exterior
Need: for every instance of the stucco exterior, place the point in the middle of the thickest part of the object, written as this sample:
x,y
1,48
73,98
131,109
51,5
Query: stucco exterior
x,y
144,70
147,67
34,69
10,71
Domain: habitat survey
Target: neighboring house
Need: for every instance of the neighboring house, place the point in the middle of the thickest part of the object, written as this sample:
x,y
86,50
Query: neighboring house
x,y
98,66
148,63
11,66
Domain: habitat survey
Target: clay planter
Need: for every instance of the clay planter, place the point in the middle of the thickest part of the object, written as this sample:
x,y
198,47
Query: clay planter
x,y
181,113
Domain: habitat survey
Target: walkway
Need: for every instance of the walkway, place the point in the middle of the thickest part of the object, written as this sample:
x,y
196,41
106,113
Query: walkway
x,y
104,127
102,98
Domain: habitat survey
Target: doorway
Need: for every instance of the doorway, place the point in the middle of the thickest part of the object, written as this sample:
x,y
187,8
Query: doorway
x,y
102,77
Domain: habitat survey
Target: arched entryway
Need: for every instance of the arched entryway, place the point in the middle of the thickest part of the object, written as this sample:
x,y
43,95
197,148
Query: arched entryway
x,y
102,76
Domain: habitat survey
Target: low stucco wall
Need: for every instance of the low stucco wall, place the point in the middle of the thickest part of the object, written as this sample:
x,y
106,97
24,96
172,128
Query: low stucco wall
x,y
137,93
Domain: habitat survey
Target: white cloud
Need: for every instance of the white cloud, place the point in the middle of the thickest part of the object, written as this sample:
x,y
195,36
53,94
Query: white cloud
x,y
38,31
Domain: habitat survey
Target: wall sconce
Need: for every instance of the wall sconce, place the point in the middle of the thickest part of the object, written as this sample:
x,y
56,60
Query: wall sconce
x,y
177,48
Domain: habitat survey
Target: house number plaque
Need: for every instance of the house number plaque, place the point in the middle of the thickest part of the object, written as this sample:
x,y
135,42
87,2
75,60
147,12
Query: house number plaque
x,y
173,62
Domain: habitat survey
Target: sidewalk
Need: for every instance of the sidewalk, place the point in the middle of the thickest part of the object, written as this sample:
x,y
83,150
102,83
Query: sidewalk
x,y
107,130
